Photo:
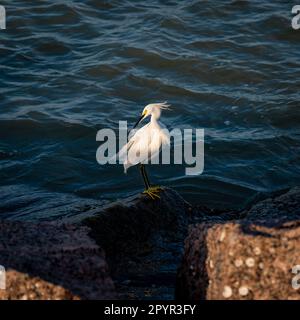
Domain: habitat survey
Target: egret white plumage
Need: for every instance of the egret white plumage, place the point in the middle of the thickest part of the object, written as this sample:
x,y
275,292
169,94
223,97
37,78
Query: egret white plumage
x,y
145,144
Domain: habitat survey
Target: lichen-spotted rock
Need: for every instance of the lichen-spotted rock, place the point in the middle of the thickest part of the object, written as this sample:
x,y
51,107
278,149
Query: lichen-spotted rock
x,y
49,261
251,258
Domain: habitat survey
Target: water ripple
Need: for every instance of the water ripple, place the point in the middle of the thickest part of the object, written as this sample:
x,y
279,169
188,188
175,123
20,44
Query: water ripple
x,y
69,69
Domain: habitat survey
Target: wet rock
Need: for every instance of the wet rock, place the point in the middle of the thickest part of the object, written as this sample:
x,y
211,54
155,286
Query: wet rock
x,y
143,240
244,259
20,203
50,261
281,208
128,223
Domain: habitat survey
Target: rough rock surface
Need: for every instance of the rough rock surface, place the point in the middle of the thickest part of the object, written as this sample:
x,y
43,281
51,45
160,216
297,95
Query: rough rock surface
x,y
244,259
52,262
133,220
143,240
228,254
21,286
285,207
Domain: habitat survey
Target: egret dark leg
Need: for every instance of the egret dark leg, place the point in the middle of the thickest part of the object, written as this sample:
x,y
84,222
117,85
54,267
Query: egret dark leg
x,y
145,176
152,192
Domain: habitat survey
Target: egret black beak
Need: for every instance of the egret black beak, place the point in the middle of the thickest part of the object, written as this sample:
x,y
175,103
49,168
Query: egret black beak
x,y
140,119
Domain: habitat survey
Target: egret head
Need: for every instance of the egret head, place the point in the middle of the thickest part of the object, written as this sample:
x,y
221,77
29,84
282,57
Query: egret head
x,y
153,109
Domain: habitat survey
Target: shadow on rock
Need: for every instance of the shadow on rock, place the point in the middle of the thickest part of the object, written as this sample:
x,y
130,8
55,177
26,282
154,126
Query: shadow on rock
x,y
143,240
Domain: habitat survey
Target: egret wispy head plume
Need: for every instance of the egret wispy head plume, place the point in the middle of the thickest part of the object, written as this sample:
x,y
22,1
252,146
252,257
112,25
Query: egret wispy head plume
x,y
153,109
145,143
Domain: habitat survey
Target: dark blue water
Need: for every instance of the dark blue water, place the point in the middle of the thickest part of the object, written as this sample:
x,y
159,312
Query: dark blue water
x,y
70,68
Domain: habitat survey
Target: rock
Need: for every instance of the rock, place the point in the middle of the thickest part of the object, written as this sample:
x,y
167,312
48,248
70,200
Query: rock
x,y
133,221
281,208
21,286
20,203
143,240
244,259
49,261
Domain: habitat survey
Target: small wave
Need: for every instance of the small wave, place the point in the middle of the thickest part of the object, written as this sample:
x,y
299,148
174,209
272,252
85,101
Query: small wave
x,y
69,69
53,47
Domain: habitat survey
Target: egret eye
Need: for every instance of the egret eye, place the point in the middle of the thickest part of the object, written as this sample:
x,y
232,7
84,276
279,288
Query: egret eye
x,y
144,112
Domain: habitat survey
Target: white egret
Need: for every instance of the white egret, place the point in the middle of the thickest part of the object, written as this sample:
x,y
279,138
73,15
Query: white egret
x,y
145,144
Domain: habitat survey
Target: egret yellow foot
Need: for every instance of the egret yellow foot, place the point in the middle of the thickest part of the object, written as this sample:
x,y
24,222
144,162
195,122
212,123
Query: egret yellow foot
x,y
152,192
